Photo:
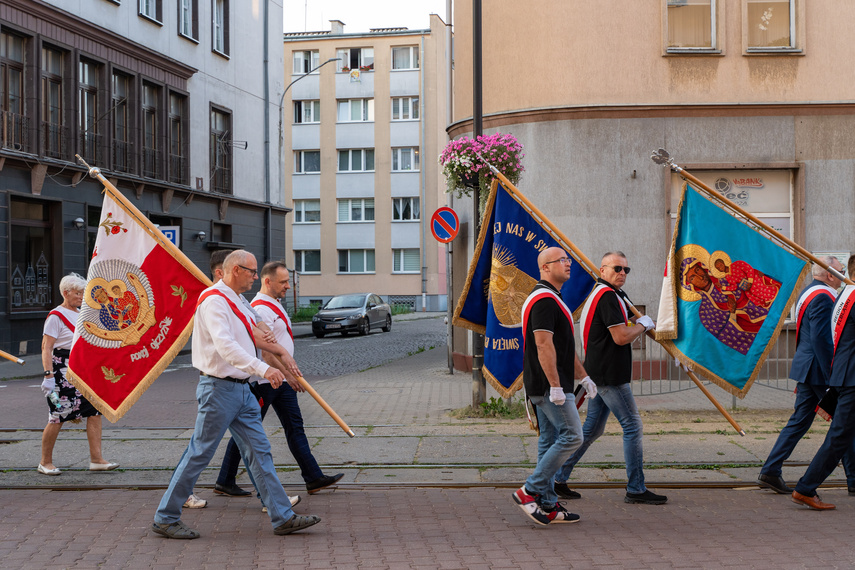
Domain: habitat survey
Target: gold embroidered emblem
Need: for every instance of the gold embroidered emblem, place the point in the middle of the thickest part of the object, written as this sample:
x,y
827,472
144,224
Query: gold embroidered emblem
x,y
508,287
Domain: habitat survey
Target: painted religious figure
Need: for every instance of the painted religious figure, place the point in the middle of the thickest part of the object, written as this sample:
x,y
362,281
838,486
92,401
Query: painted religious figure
x,y
734,297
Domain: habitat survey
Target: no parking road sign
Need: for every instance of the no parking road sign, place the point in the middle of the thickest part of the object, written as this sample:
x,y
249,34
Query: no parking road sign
x,y
444,225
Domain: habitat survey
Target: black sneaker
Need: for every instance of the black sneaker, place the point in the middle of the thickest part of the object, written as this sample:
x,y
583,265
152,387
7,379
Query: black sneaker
x,y
565,492
560,515
645,498
852,491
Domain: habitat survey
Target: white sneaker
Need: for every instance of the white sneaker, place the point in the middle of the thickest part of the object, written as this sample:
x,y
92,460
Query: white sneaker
x,y
194,502
294,500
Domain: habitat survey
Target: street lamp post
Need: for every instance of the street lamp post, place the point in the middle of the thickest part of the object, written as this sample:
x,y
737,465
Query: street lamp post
x,y
281,136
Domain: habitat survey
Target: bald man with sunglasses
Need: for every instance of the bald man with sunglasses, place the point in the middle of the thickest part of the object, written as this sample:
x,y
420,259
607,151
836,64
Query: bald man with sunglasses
x,y
607,335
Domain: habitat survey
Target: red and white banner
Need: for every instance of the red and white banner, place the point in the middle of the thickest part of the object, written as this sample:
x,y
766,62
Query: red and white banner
x,y
137,311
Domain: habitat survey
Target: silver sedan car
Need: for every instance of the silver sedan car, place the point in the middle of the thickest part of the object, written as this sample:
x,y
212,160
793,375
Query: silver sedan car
x,y
356,312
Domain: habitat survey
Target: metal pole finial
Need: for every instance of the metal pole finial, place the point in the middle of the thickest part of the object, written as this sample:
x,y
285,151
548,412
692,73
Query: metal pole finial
x,y
94,171
663,158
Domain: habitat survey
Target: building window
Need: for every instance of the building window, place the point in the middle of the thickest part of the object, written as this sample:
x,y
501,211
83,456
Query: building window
x,y
405,261
151,142
356,160
355,58
356,210
307,211
307,261
188,18
307,161
307,111
356,261
87,111
771,24
405,108
15,126
405,209
405,57
53,129
405,159
30,255
305,61
355,110
220,26
221,233
152,9
691,24
221,151
177,144
121,123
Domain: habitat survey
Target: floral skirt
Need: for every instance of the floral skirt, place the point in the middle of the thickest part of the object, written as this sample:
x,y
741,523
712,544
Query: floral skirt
x,y
65,402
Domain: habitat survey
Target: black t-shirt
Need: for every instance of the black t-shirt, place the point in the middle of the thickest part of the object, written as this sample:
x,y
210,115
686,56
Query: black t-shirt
x,y
605,362
547,315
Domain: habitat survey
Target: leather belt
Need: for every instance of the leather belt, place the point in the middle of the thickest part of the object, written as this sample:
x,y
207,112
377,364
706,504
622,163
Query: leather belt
x,y
230,379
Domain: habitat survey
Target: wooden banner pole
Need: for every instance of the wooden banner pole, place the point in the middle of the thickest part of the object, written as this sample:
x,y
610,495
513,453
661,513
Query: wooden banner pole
x,y
325,406
595,270
666,161
14,359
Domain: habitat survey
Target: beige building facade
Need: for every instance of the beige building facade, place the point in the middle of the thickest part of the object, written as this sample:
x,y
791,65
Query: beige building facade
x,y
361,140
756,97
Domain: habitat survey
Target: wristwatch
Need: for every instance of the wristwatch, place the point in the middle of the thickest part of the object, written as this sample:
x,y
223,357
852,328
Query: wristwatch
x,y
48,372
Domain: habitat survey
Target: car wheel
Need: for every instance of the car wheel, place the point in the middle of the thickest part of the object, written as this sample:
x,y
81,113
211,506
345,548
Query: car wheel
x,y
319,334
388,326
364,327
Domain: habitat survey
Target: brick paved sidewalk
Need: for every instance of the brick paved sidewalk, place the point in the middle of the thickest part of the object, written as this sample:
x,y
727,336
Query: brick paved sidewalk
x,y
429,529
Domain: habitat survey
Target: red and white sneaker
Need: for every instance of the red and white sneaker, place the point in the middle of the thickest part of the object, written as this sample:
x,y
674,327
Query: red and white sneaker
x,y
528,503
560,515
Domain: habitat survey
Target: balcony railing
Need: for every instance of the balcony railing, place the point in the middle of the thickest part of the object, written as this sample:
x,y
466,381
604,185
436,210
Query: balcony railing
x,y
89,147
151,163
55,141
15,134
122,156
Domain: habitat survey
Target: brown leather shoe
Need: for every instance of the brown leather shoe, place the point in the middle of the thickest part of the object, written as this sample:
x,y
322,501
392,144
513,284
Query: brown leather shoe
x,y
813,502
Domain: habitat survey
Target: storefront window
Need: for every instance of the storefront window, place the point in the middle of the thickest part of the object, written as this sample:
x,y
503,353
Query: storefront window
x,y
30,256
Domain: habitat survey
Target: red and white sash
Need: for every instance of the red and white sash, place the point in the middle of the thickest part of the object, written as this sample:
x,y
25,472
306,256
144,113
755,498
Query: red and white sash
x,y
238,313
809,295
63,318
535,296
277,310
591,307
841,312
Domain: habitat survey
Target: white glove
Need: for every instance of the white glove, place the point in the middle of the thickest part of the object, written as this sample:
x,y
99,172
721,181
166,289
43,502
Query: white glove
x,y
48,385
556,396
589,386
680,364
646,322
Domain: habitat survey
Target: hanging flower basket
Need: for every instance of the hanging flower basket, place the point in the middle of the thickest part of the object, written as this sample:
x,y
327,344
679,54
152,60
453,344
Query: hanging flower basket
x,y
464,171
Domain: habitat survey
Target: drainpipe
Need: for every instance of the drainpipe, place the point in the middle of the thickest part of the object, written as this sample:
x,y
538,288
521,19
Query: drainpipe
x,y
423,168
479,386
268,239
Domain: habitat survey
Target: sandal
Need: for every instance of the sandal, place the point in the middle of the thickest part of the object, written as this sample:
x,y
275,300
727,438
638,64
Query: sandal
x,y
175,530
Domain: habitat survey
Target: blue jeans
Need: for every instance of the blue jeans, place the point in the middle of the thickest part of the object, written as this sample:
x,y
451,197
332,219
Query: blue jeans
x,y
807,398
222,405
284,402
838,441
560,436
619,401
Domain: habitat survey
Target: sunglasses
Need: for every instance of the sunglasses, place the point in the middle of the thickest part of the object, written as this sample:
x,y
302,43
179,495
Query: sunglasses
x,y
561,260
619,268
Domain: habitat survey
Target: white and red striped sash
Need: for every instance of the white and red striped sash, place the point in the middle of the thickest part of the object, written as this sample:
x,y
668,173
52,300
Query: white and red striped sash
x,y
840,313
535,296
809,295
591,308
63,318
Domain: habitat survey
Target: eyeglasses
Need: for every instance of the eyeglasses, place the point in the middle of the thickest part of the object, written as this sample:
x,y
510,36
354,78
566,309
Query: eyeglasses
x,y
253,271
619,268
559,260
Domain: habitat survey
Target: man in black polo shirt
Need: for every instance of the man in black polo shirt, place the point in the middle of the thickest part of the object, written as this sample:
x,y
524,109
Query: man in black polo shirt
x,y
607,335
549,362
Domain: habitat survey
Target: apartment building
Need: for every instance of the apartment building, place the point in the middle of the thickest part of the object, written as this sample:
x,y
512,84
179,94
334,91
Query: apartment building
x,y
753,96
171,99
366,130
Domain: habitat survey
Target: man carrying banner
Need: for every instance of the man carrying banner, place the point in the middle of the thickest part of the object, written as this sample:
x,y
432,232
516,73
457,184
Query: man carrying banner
x,y
810,369
224,353
840,440
275,282
607,335
548,365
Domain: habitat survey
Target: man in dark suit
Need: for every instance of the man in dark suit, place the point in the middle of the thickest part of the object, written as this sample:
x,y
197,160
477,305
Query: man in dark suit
x,y
810,368
838,441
